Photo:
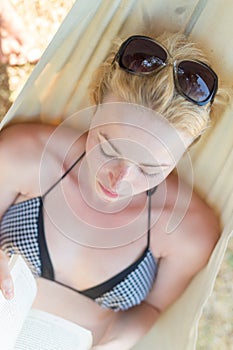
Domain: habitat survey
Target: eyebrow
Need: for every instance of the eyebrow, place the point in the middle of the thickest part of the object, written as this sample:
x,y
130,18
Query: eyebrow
x,y
141,164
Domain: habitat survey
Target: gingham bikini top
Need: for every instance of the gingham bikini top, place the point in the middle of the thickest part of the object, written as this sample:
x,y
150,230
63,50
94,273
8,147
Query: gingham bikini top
x,y
22,229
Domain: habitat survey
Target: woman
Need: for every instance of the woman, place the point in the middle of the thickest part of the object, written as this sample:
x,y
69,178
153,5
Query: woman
x,y
92,211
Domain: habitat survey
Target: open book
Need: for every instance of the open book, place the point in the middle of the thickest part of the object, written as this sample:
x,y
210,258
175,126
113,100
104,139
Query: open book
x,y
23,328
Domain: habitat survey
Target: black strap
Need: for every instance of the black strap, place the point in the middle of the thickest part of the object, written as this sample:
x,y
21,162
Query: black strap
x,y
149,194
63,176
46,264
47,270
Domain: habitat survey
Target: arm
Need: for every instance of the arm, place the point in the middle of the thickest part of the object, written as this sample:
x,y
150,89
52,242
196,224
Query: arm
x,y
128,327
174,274
8,196
14,178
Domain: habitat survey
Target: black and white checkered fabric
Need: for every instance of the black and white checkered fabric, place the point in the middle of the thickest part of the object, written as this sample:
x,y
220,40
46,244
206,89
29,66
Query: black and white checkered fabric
x,y
19,232
133,289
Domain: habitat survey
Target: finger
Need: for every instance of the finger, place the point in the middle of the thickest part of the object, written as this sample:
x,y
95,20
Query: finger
x,y
6,282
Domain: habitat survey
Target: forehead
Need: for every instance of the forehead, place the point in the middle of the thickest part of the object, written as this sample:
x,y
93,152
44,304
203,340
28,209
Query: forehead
x,y
136,123
124,113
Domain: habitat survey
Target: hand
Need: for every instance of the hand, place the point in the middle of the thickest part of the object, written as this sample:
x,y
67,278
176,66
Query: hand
x,y
111,345
100,347
6,282
103,347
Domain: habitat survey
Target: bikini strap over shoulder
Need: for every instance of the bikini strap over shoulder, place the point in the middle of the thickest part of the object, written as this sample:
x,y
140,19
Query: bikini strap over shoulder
x,y
149,194
63,176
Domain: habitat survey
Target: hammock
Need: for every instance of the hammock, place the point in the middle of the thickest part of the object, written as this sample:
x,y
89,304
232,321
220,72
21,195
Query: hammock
x,y
57,88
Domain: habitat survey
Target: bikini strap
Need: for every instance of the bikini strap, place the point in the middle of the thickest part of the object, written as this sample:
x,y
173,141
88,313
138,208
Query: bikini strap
x,y
63,176
149,194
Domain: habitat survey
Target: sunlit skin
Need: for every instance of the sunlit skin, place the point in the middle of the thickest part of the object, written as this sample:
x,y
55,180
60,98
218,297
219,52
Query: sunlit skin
x,y
127,153
130,150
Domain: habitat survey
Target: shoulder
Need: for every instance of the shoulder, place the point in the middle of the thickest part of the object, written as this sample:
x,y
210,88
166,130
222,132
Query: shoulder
x,y
22,147
191,227
20,151
186,249
21,138
198,234
30,139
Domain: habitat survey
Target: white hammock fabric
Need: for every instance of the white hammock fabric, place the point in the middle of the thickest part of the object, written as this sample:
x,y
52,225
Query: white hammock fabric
x,y
57,88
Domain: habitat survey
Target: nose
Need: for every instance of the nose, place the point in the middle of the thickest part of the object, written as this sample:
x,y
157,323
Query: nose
x,y
117,173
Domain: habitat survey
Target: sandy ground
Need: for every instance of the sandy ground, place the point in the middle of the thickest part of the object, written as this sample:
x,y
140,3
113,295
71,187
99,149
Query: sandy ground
x,y
42,18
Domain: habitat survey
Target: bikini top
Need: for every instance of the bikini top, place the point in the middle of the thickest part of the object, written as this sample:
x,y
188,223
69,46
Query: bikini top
x,y
22,230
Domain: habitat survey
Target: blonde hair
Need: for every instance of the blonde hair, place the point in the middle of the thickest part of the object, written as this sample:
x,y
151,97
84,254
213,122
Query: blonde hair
x,y
155,91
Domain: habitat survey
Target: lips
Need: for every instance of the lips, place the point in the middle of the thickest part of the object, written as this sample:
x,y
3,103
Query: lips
x,y
107,192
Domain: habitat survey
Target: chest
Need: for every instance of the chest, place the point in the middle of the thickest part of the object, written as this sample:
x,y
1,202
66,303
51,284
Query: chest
x,y
97,243
87,248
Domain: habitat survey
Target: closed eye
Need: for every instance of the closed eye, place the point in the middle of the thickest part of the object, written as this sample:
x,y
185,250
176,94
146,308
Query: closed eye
x,y
149,171
109,150
152,170
106,148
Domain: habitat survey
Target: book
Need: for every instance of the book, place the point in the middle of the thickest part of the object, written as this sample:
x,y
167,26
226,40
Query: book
x,y
25,328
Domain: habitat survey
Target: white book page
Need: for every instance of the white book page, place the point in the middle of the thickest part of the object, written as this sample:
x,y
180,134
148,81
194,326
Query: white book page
x,y
43,330
13,312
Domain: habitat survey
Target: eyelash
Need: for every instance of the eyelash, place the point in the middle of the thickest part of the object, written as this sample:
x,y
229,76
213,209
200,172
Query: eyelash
x,y
115,156
105,154
112,156
146,174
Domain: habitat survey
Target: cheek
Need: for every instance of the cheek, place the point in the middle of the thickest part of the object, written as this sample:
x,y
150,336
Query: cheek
x,y
98,165
93,161
90,142
93,156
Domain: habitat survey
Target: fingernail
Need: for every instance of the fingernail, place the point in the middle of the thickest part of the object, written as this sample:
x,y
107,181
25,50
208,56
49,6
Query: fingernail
x,y
7,289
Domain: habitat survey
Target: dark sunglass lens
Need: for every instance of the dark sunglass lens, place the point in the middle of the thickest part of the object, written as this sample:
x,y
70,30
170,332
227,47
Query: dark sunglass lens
x,y
142,56
196,81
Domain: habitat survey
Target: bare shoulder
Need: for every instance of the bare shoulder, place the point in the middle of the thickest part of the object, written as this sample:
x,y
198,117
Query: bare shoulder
x,y
187,248
22,147
20,150
22,136
30,139
198,230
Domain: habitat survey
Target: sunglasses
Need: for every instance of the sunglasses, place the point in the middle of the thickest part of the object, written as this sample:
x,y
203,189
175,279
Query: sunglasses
x,y
194,80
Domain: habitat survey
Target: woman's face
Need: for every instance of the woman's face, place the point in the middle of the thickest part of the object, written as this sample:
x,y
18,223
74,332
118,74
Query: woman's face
x,y
130,149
